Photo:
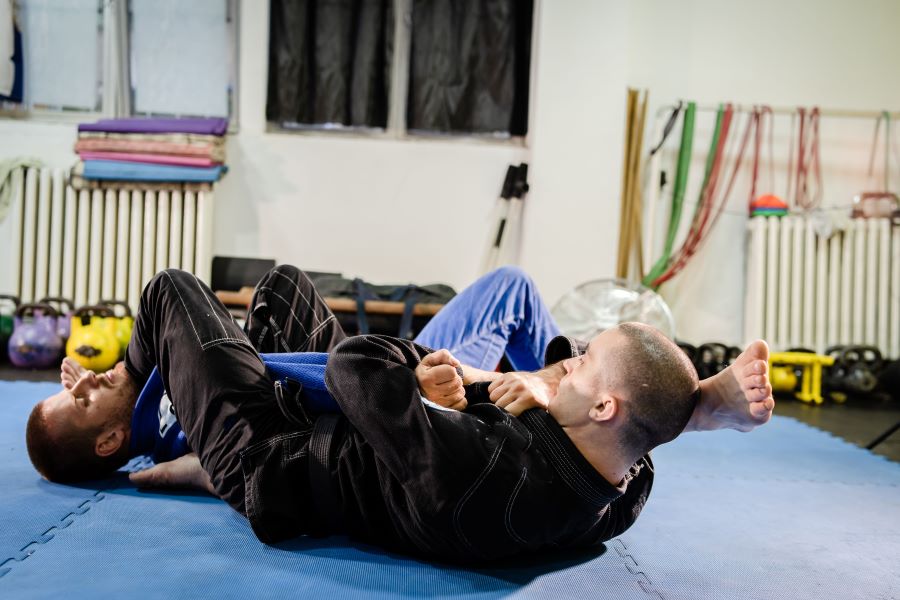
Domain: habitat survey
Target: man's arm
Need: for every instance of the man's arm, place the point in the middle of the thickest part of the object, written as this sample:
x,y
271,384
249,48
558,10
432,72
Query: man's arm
x,y
373,380
184,472
441,379
519,391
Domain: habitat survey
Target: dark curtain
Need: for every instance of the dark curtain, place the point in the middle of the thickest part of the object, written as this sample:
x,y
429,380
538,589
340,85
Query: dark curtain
x,y
469,66
329,61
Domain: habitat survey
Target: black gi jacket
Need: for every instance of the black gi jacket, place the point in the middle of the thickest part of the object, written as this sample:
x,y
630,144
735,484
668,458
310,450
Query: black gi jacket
x,y
466,486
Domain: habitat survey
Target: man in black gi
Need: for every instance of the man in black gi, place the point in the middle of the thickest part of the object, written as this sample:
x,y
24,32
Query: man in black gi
x,y
570,471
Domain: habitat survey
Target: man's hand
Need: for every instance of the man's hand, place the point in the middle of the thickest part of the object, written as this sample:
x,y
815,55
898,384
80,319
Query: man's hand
x,y
439,380
70,372
181,473
520,391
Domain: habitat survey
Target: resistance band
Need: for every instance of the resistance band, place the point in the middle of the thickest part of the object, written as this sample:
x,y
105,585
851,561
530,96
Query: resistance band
x,y
706,219
758,120
808,159
710,179
681,178
886,117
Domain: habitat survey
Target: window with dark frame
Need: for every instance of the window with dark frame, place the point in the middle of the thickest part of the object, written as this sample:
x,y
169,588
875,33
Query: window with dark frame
x,y
123,58
416,67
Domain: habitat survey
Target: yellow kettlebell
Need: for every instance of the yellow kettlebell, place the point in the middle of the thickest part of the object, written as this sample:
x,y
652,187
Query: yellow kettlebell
x,y
123,324
92,342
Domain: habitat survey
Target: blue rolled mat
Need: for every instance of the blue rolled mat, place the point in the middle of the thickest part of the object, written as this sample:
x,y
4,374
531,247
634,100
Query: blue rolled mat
x,y
117,170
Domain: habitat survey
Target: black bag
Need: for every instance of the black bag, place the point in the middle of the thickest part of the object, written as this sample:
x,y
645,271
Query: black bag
x,y
406,325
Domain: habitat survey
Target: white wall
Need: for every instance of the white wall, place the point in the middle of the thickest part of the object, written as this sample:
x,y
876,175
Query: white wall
x,y
832,54
412,210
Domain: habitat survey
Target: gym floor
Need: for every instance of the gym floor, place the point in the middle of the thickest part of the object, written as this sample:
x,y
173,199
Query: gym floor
x,y
858,421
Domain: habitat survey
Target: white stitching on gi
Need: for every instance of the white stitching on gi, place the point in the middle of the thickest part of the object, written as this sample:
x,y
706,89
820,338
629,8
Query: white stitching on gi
x,y
216,342
509,504
299,292
183,305
208,301
291,310
462,501
314,332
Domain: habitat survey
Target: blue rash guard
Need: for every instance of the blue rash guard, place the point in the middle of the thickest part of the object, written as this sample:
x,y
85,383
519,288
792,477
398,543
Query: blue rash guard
x,y
155,431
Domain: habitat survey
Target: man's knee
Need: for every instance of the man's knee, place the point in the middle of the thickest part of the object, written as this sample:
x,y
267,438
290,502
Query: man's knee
x,y
289,278
167,277
167,286
510,275
288,270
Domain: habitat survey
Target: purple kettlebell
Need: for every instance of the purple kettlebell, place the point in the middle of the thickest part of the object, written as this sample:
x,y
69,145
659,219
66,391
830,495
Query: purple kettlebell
x,y
64,321
34,343
6,321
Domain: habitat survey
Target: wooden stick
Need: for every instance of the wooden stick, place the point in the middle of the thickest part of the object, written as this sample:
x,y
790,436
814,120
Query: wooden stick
x,y
625,199
637,201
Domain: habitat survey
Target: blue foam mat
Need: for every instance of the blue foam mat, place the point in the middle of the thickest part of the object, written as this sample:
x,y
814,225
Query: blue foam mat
x,y
785,512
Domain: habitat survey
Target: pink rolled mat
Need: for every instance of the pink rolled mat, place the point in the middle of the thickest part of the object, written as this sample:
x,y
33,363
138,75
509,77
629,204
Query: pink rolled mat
x,y
150,147
159,159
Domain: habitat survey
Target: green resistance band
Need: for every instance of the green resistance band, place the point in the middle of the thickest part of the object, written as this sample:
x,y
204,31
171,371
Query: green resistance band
x,y
710,160
681,177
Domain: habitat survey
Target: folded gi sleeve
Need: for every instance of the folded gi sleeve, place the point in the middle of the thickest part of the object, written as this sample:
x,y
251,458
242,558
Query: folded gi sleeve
x,y
372,378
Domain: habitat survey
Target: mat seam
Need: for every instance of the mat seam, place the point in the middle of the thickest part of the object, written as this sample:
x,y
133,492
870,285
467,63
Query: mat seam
x,y
48,534
642,579
26,551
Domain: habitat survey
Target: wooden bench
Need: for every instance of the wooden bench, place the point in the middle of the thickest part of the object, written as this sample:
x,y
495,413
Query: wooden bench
x,y
242,297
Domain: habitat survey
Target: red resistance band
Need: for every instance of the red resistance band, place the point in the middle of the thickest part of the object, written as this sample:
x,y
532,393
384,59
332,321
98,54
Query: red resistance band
x,y
808,159
705,220
757,121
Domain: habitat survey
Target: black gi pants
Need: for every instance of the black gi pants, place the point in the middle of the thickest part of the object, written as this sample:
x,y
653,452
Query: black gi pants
x,y
218,384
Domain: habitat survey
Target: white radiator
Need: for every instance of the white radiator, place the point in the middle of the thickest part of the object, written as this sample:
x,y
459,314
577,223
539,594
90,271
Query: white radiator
x,y
97,244
808,291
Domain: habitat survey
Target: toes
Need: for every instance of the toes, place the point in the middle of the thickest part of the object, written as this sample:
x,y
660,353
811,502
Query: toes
x,y
760,394
756,367
761,411
755,382
758,350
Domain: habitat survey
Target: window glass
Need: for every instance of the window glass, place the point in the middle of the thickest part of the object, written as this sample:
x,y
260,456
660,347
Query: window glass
x,y
181,57
61,42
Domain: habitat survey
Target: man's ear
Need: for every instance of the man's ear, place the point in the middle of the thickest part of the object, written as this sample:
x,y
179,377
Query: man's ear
x,y
109,441
605,408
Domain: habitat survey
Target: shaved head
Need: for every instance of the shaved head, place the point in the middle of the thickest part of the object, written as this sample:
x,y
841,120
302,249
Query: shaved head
x,y
659,386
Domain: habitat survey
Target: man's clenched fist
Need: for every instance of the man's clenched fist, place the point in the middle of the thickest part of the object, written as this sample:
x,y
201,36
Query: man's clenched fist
x,y
439,380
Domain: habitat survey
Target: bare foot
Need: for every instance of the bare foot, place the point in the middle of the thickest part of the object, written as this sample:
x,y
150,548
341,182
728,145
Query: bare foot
x,y
70,372
184,472
739,397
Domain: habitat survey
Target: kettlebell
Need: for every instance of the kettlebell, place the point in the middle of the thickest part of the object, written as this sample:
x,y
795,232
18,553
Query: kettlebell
x,y
855,369
65,307
93,343
34,343
6,321
714,357
123,324
889,379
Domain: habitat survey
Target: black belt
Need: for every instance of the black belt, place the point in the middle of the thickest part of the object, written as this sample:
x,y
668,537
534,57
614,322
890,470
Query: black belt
x,y
324,498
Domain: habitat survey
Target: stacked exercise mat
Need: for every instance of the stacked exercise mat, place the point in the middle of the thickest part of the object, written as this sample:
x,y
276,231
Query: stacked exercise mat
x,y
149,149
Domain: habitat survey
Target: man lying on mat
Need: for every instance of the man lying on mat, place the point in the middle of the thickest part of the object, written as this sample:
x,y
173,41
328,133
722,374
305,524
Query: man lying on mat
x,y
470,482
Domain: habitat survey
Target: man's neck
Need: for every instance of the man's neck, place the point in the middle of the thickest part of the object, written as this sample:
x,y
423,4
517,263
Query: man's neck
x,y
604,457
